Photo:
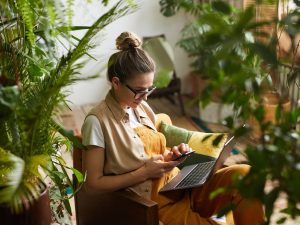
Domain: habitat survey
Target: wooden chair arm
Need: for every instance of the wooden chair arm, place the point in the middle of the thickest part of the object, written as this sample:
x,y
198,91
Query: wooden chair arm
x,y
135,198
115,208
146,209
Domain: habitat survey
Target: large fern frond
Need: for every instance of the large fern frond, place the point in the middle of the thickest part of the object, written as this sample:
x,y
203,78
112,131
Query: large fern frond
x,y
28,18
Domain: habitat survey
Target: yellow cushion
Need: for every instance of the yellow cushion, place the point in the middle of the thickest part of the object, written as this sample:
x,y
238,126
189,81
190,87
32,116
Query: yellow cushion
x,y
209,144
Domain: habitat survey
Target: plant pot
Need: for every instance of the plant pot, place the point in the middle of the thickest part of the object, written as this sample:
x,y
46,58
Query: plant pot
x,y
270,101
198,83
39,213
215,112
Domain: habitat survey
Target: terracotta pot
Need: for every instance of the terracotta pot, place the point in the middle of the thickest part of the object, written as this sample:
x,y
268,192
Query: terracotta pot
x,y
198,83
39,213
271,100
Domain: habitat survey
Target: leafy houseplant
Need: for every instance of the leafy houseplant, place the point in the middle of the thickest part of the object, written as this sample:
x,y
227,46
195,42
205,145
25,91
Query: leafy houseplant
x,y
236,65
32,82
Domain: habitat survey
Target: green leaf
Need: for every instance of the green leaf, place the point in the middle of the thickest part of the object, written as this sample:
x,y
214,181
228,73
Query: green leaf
x,y
225,210
281,220
14,187
213,38
217,192
79,176
9,97
70,135
265,52
245,17
278,113
241,131
297,2
36,161
67,29
105,2
259,114
168,7
269,200
58,175
295,114
221,6
11,168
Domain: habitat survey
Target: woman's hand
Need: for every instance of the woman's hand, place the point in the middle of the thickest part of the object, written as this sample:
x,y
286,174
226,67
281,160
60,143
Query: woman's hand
x,y
156,167
176,151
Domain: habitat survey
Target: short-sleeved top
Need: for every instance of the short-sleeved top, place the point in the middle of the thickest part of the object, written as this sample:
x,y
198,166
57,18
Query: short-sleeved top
x,y
92,132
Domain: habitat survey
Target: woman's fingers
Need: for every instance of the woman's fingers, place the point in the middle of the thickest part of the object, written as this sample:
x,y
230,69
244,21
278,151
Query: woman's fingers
x,y
157,157
157,167
168,155
181,148
176,150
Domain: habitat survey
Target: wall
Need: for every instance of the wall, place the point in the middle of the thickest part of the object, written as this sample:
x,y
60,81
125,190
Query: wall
x,y
146,21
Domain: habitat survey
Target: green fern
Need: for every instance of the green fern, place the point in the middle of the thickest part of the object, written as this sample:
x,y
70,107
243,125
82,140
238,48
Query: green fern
x,y
70,11
28,18
32,89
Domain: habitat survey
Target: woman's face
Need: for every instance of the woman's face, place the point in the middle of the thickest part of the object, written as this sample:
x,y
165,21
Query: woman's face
x,y
133,91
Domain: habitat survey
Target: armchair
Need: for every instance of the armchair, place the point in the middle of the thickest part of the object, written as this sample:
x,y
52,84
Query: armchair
x,y
115,208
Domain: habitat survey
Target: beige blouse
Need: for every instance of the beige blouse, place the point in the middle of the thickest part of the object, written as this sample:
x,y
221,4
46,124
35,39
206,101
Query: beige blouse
x,y
124,150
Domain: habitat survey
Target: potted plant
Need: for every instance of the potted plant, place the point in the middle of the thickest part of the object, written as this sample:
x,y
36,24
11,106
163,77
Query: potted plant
x,y
236,66
32,81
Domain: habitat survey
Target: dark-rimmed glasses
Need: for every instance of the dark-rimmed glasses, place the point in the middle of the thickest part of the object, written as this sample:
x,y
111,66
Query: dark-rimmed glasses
x,y
140,94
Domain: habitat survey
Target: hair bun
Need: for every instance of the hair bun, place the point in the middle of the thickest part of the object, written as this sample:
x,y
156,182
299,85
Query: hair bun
x,y
128,40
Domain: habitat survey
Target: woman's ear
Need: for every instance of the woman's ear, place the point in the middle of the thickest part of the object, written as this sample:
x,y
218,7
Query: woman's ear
x,y
115,81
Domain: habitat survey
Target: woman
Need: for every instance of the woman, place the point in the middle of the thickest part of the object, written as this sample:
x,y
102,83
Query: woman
x,y
124,150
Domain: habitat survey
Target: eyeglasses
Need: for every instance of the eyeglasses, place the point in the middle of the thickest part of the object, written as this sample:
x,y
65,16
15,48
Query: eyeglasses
x,y
140,94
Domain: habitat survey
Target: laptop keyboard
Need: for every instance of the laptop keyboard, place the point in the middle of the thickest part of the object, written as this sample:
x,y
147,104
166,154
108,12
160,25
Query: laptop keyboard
x,y
200,172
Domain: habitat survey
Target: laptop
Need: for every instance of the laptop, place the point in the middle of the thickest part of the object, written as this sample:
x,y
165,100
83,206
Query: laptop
x,y
197,174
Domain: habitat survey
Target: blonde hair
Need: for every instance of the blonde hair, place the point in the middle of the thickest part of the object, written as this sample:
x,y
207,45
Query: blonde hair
x,y
128,40
130,60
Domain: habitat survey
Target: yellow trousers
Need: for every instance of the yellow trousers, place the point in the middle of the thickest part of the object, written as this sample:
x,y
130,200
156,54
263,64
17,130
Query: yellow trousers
x,y
194,206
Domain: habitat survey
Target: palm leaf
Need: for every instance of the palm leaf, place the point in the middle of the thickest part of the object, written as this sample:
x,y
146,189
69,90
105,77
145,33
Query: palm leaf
x,y
11,175
20,182
11,170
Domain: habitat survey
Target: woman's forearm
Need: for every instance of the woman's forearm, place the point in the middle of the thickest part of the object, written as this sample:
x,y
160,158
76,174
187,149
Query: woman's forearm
x,y
116,182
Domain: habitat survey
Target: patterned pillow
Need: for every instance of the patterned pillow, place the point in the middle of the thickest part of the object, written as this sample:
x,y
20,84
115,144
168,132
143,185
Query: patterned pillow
x,y
209,144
